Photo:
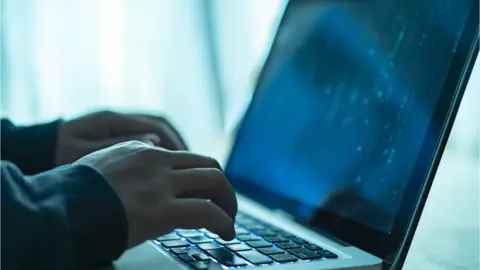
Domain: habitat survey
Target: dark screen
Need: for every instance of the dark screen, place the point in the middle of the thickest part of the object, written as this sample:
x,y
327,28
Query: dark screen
x,y
344,104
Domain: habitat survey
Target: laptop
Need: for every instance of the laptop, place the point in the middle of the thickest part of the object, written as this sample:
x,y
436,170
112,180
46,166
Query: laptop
x,y
336,153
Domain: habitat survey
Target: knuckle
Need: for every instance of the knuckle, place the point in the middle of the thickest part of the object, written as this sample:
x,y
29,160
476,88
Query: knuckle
x,y
146,152
213,162
107,113
134,144
125,146
164,154
151,153
208,206
216,173
163,120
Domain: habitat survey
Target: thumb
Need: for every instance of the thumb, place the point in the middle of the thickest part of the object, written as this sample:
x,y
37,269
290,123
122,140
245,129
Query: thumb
x,y
149,138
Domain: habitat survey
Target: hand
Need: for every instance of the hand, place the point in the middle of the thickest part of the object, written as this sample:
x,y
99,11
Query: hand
x,y
92,132
164,190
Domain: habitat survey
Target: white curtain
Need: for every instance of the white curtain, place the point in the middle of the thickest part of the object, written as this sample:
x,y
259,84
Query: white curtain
x,y
465,135
193,60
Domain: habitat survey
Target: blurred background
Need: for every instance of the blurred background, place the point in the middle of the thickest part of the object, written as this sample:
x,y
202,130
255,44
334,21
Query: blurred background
x,y
196,61
61,58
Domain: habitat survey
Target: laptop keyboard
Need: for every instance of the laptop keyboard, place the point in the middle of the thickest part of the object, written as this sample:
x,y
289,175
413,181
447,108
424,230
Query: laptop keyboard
x,y
256,243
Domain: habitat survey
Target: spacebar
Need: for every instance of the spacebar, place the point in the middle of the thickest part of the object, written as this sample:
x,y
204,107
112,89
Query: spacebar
x,y
225,257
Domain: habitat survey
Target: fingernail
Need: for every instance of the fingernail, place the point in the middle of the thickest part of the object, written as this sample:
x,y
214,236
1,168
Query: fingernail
x,y
151,138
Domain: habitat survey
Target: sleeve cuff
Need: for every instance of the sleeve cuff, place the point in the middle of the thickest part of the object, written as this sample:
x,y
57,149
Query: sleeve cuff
x,y
31,148
94,215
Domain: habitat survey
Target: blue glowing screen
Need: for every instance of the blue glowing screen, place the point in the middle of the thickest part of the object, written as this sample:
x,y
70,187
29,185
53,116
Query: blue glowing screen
x,y
343,106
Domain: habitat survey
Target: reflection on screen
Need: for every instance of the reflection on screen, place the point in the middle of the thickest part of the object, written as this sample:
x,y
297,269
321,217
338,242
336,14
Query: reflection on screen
x,y
344,105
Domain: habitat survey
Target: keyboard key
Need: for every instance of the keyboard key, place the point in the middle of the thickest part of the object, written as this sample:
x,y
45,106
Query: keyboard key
x,y
243,220
212,235
180,231
199,239
284,257
241,231
254,257
284,233
197,254
175,243
259,244
299,240
170,236
186,258
178,251
264,232
275,239
209,234
327,254
189,233
200,257
209,246
200,265
226,257
238,247
312,247
288,245
263,223
248,237
223,242
240,215
271,250
305,254
254,226
210,265
246,222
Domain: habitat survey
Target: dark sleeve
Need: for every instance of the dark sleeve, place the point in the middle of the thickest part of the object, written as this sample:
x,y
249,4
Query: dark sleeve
x,y
31,148
67,218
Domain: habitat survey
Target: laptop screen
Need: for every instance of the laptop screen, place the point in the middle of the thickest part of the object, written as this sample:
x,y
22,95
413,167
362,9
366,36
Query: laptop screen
x,y
344,106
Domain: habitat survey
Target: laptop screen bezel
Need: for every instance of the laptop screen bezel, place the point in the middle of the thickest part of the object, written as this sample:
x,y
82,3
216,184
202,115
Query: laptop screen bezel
x,y
389,246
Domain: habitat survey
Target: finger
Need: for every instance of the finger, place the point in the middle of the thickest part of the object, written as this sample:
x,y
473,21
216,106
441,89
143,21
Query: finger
x,y
198,214
171,138
131,124
186,160
151,139
206,183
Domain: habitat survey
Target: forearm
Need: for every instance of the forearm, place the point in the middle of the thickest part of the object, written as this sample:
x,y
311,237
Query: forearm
x,y
31,148
62,219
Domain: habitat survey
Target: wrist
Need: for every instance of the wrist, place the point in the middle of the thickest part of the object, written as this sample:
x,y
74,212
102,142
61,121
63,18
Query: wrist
x,y
31,148
94,215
